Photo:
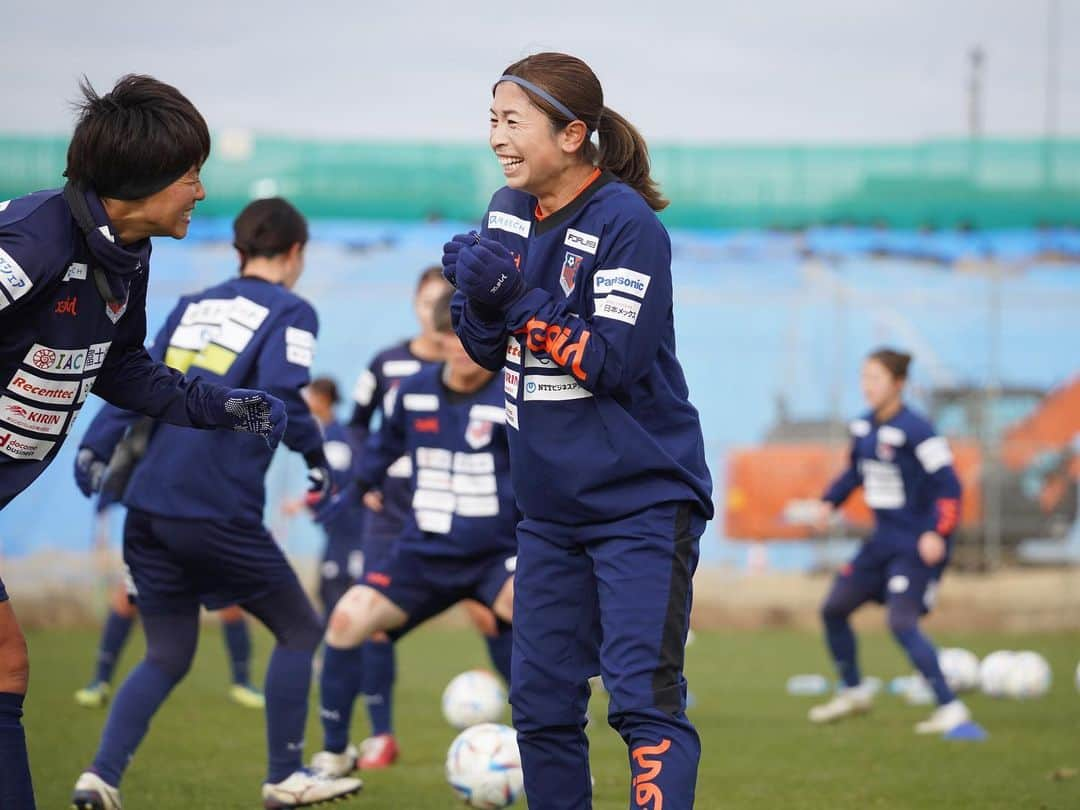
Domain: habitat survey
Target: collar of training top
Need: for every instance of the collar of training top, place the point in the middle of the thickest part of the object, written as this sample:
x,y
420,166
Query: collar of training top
x,y
115,259
560,217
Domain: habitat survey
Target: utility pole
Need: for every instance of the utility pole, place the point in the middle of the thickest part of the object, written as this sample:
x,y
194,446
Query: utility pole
x,y
977,59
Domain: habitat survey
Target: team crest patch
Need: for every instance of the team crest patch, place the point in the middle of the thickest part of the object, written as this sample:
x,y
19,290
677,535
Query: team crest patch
x,y
116,309
569,271
885,452
479,432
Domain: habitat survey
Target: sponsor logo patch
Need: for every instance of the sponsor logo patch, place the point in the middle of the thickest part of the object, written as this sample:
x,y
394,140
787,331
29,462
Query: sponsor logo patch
x,y
27,417
96,354
84,392
59,361
12,277
57,392
585,242
620,280
552,388
511,379
400,368
618,308
501,221
426,424
420,402
512,415
513,351
76,272
23,448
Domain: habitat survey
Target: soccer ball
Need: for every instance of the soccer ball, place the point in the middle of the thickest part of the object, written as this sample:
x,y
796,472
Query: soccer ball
x,y
994,672
1029,676
960,668
473,697
483,766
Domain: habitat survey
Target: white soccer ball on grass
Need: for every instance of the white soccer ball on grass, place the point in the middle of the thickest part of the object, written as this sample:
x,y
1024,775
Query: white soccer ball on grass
x,y
483,766
473,697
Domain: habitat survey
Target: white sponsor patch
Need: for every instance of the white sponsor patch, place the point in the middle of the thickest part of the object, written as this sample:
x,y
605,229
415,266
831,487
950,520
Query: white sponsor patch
x,y
511,379
434,458
434,479
27,417
389,401
934,453
23,448
463,484
511,564
400,368
300,337
76,271
209,311
364,389
402,468
441,500
474,463
298,355
512,415
621,280
488,413
513,351
618,308
84,392
338,455
58,361
898,583
96,354
551,389
245,311
56,392
860,428
232,335
477,506
892,436
499,221
420,402
585,242
532,361
434,522
12,277
299,346
883,486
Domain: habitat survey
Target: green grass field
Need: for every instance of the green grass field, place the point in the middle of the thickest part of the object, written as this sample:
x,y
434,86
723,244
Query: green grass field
x,y
759,750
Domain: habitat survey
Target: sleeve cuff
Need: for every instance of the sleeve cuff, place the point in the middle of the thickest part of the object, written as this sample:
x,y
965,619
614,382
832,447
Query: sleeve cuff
x,y
520,313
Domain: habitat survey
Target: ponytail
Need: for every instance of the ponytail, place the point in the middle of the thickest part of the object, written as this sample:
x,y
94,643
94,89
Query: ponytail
x,y
624,153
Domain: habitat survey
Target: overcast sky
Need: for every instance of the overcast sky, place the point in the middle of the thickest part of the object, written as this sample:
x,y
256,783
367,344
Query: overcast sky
x,y
698,70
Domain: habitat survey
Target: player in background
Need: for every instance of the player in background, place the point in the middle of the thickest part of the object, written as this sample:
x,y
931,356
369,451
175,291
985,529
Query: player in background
x,y
122,608
343,557
568,284
458,541
194,533
906,472
74,265
389,508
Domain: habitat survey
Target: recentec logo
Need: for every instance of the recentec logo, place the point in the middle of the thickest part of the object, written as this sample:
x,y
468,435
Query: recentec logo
x,y
513,351
27,417
59,361
31,386
23,448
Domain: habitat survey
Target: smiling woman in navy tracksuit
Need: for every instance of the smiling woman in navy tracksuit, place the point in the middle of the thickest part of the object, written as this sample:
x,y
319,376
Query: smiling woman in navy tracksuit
x,y
568,285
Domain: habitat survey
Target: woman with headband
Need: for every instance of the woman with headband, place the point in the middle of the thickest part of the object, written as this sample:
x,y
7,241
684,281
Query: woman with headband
x,y
568,285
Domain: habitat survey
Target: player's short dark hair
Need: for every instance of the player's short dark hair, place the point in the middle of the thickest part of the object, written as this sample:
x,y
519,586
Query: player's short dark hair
x,y
431,273
136,139
268,228
327,387
440,313
895,362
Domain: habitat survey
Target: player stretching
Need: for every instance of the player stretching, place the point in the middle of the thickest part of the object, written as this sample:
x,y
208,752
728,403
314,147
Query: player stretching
x,y
458,542
569,285
907,477
194,531
122,610
74,265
